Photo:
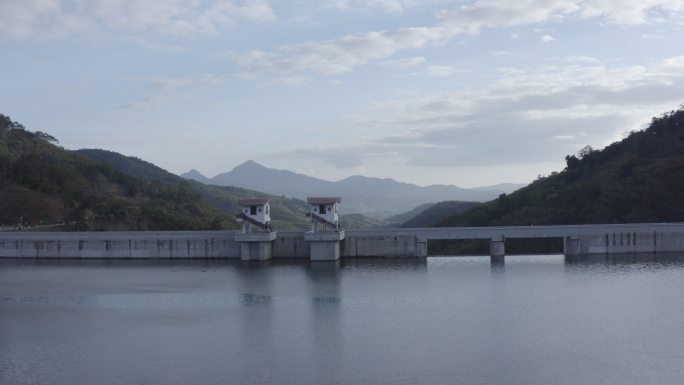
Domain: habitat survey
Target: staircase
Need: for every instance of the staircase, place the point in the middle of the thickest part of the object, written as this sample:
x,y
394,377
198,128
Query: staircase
x,y
263,226
320,219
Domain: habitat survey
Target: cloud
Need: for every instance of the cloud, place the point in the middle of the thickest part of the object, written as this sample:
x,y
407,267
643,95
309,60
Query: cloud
x,y
651,36
337,56
473,17
443,71
160,90
579,59
47,19
291,81
500,53
388,6
404,62
547,39
631,12
20,19
480,14
548,113
341,55
150,45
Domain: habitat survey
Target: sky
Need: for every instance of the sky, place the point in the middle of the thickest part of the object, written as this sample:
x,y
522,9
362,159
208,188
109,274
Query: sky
x,y
462,92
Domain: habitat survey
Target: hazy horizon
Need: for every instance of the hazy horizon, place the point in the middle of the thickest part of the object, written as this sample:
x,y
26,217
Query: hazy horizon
x,y
210,176
465,93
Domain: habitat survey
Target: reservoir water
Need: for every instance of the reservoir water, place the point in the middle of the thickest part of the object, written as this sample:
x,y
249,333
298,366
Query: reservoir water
x,y
440,320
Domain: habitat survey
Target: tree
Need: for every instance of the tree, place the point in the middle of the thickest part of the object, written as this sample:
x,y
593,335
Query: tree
x,y
45,137
571,161
585,151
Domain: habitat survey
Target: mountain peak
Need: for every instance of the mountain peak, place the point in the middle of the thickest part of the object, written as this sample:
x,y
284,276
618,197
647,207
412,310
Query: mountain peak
x,y
361,194
195,175
250,165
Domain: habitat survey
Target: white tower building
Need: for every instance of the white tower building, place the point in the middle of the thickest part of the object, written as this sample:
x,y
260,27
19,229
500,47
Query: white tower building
x,y
324,214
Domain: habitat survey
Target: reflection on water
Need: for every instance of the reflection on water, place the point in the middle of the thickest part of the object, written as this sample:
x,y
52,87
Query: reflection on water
x,y
525,320
251,299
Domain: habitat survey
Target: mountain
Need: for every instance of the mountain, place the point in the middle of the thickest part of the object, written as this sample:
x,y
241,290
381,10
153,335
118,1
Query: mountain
x,y
506,188
252,175
360,194
399,219
638,179
435,214
196,176
135,167
286,213
44,184
360,221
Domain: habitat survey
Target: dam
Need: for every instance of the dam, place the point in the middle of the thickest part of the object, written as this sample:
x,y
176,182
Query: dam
x,y
376,243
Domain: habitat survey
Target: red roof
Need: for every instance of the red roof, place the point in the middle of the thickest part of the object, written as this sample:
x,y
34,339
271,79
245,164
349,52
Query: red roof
x,y
323,200
254,201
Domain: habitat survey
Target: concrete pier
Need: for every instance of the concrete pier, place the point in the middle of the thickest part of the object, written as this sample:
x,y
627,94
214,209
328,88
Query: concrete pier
x,y
497,260
571,246
421,247
497,247
324,246
256,246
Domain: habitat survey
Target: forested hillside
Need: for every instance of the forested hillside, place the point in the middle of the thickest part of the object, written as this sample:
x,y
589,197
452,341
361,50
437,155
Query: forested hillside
x,y
286,213
638,179
438,212
41,183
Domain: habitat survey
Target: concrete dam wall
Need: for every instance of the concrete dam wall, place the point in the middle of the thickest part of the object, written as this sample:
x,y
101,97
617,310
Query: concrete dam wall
x,y
393,243
186,244
171,244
